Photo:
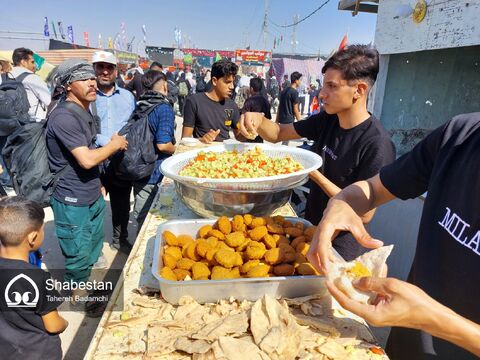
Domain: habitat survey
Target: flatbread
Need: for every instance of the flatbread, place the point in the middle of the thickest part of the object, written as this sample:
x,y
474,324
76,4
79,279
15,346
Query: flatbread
x,y
369,264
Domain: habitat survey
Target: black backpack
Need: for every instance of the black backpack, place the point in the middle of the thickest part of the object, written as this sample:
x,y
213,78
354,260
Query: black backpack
x,y
138,161
14,104
274,90
26,157
201,85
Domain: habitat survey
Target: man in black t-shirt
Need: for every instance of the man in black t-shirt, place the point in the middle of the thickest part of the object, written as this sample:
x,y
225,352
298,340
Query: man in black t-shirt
x,y
288,107
257,103
135,85
211,115
77,202
352,142
447,259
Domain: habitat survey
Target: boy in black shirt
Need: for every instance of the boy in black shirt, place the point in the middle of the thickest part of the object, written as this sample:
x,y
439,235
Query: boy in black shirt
x,y
209,116
447,258
29,320
289,100
257,102
352,142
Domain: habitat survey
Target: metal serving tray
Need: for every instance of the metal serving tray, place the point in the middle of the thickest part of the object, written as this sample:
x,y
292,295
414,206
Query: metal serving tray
x,y
204,291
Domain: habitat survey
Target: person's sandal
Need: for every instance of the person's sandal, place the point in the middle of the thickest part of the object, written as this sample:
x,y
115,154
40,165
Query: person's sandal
x,y
96,308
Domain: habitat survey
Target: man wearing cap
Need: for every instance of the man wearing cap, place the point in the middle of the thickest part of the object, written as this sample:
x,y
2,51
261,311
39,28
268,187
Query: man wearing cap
x,y
77,202
114,106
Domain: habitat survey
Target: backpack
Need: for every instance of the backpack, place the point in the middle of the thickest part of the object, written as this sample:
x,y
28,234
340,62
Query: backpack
x,y
182,89
201,85
14,104
138,161
274,89
25,155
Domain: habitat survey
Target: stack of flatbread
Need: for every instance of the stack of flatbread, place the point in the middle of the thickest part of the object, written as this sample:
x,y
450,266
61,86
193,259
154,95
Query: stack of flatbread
x,y
305,328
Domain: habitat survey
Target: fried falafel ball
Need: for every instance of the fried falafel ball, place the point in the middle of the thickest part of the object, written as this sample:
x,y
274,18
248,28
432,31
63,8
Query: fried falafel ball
x,y
217,233
235,239
181,274
284,270
274,256
169,261
185,264
228,259
293,231
248,265
168,274
238,223
247,219
260,270
170,238
220,273
257,233
255,250
200,271
204,230
306,269
184,240
175,251
223,224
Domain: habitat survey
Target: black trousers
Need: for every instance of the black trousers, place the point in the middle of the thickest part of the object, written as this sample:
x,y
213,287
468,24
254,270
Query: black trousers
x,y
181,103
119,191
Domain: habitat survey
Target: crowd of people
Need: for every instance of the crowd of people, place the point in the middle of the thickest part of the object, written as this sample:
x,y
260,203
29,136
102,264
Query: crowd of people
x,y
88,105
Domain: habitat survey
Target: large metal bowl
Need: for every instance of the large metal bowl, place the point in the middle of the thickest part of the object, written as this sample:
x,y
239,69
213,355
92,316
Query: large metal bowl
x,y
211,203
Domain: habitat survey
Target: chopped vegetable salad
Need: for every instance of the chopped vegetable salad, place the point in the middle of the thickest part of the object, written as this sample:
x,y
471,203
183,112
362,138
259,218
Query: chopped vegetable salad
x,y
253,163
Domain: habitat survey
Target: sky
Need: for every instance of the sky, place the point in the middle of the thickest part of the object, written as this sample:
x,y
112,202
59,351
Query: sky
x,y
208,24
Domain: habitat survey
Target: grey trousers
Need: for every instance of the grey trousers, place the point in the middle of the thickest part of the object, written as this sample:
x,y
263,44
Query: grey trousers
x,y
144,194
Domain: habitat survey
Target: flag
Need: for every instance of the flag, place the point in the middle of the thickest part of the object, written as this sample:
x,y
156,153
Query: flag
x,y
110,43
123,42
217,56
144,30
60,28
85,37
100,42
343,43
46,32
188,58
38,61
54,30
70,33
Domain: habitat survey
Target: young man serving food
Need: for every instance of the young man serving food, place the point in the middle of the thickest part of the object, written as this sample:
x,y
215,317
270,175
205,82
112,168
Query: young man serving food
x,y
352,142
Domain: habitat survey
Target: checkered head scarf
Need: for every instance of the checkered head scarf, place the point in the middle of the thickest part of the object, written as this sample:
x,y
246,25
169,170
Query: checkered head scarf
x,y
74,70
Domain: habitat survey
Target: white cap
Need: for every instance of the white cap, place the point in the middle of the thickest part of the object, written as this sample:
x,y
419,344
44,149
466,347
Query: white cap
x,y
104,56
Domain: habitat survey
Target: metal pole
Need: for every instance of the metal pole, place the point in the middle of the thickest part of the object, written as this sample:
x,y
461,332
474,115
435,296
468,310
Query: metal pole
x,y
20,32
265,26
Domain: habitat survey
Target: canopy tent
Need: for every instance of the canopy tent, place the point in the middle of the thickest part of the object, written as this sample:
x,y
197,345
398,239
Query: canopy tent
x,y
310,69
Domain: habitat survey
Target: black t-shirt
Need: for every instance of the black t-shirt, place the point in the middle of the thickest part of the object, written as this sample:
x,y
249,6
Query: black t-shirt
x,y
349,155
136,85
288,98
257,103
65,132
447,259
22,333
204,114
